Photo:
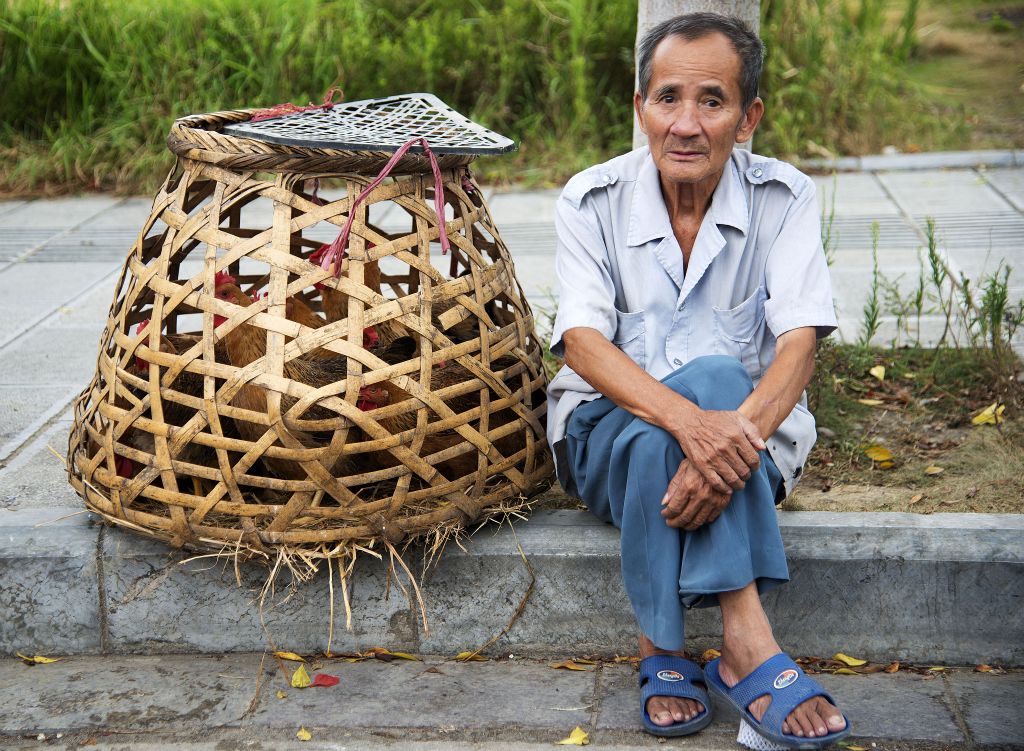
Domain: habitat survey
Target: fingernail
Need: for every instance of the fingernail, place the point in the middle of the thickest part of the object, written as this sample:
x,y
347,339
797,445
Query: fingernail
x,y
664,501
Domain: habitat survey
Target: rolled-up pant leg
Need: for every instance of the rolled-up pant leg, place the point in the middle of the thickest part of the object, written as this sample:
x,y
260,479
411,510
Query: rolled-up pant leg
x,y
621,467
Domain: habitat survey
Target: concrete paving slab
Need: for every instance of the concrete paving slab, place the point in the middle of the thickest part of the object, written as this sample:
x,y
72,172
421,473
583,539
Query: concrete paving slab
x,y
126,214
51,356
522,207
857,233
991,705
894,707
57,214
29,293
148,693
87,312
939,160
1010,184
87,245
435,694
26,409
856,195
8,206
49,601
36,478
941,192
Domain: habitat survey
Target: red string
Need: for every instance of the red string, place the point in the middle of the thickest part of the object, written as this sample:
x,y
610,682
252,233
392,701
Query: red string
x,y
336,250
287,108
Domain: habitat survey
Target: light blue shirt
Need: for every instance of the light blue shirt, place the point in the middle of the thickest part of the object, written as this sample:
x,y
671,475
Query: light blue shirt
x,y
757,269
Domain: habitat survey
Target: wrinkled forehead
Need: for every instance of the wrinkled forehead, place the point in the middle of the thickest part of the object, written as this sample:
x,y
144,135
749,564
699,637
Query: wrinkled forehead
x,y
711,58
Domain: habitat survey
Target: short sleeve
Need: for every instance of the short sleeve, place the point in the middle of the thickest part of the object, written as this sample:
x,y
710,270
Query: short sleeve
x,y
796,272
586,292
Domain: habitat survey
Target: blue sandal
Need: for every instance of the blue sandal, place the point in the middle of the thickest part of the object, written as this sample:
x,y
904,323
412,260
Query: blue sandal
x,y
788,686
669,675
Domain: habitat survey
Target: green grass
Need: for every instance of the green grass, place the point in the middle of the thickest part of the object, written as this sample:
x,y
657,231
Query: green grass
x,y
90,87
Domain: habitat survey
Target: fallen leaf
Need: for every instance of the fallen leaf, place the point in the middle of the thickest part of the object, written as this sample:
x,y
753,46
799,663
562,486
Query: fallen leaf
x,y
845,671
878,453
871,402
300,678
38,659
991,415
584,661
916,498
290,656
983,669
89,742
852,662
710,654
878,372
856,748
934,470
567,665
303,734
281,694
387,655
892,667
323,680
578,737
886,465
936,669
470,657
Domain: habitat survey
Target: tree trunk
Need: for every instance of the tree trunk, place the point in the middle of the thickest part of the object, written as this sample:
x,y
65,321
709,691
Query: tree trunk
x,y
653,12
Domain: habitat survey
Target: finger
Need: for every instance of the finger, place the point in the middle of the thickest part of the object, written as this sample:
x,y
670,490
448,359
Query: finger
x,y
726,474
749,456
754,435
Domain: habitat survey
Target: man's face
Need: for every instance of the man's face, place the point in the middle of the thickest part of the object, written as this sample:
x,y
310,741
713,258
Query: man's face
x,y
693,114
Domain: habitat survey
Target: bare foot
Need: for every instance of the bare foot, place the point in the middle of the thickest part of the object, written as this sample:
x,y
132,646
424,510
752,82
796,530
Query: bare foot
x,y
667,710
815,718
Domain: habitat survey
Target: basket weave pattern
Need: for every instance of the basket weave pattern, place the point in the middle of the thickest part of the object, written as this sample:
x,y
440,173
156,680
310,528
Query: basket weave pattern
x,y
318,412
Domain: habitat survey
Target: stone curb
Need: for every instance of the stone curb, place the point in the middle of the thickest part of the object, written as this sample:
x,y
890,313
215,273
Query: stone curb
x,y
924,161
944,588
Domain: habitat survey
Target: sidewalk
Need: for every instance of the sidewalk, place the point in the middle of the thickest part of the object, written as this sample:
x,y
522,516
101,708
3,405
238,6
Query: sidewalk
x,y
211,702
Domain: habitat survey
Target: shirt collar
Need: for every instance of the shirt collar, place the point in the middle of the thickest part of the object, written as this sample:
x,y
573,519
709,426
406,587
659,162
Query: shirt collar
x,y
648,217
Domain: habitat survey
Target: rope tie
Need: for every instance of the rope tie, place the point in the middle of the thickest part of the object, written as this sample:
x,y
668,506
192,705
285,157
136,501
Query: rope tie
x,y
287,108
336,250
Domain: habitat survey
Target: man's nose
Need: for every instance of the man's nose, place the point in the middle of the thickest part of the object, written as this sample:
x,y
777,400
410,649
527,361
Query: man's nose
x,y
685,124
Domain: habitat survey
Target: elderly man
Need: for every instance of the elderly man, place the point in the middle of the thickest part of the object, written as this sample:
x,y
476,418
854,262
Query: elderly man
x,y
693,288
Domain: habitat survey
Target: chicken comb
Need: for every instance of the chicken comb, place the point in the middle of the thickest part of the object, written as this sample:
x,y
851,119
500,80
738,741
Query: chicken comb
x,y
223,277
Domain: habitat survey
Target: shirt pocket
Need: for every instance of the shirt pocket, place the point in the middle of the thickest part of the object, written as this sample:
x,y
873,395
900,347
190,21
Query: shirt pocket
x,y
736,330
629,335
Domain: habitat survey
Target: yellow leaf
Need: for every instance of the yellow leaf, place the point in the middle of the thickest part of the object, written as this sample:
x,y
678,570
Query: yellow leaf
x,y
404,656
878,372
845,671
567,665
578,737
584,661
871,402
470,657
281,694
878,453
934,470
303,734
710,654
300,678
290,656
38,659
936,669
886,465
856,748
892,667
991,415
852,662
916,498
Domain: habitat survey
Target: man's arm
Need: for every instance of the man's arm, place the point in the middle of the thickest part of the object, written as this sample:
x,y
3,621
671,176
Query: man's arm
x,y
721,446
690,501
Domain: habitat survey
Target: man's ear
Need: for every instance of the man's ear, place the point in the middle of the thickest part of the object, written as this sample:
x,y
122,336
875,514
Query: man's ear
x,y
750,120
638,106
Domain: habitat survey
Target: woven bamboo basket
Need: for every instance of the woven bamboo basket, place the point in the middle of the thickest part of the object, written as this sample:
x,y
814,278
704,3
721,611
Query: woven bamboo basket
x,y
273,405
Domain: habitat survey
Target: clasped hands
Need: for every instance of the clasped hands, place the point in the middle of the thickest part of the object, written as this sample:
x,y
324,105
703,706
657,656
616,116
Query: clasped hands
x,y
720,449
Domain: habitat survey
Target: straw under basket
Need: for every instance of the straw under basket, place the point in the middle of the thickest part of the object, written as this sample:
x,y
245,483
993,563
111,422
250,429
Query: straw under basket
x,y
273,404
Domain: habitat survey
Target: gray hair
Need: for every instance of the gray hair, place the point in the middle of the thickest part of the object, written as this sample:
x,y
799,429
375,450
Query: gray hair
x,y
693,26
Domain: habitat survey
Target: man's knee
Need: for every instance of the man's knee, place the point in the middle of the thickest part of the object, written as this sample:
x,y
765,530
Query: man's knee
x,y
641,436
712,382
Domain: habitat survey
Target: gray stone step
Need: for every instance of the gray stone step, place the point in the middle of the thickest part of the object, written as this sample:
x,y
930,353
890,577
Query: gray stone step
x,y
944,588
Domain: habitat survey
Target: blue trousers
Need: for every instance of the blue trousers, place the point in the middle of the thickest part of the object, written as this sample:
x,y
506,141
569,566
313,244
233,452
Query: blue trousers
x,y
621,465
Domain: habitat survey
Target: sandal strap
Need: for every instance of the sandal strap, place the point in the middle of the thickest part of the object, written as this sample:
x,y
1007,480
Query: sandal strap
x,y
670,675
787,685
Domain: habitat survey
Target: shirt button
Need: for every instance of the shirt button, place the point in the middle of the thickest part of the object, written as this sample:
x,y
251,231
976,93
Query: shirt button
x,y
757,172
677,362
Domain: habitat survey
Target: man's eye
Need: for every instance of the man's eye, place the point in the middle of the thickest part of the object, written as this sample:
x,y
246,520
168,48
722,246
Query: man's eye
x,y
712,103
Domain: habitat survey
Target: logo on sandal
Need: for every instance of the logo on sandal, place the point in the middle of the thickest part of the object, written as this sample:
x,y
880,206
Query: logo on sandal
x,y
786,678
670,675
